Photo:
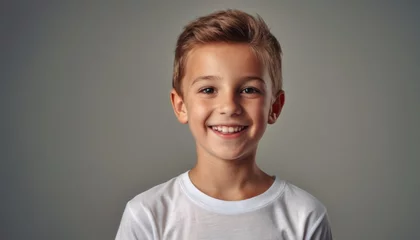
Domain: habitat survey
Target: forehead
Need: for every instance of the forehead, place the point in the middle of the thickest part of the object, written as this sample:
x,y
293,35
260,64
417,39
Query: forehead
x,y
225,60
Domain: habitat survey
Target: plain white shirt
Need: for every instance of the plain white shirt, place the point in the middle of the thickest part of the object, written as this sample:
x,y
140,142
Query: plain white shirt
x,y
178,210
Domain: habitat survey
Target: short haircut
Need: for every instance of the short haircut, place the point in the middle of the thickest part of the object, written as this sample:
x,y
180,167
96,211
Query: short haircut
x,y
230,26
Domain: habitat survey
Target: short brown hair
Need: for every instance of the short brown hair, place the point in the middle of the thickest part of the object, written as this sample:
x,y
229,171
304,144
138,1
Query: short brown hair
x,y
230,26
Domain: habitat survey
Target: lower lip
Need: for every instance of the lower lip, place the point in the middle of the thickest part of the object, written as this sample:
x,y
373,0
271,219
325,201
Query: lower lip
x,y
229,135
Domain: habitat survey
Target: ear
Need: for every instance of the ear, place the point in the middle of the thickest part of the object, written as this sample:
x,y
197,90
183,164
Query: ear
x,y
179,107
276,107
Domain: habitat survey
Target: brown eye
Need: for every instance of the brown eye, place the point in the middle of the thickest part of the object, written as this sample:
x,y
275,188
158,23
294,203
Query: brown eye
x,y
250,90
207,90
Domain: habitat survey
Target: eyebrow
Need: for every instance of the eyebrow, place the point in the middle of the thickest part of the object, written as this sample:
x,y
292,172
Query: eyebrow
x,y
211,77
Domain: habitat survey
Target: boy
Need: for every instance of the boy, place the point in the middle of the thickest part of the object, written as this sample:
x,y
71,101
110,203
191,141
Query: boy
x,y
227,85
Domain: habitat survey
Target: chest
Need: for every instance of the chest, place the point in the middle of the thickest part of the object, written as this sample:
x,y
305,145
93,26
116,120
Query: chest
x,y
198,225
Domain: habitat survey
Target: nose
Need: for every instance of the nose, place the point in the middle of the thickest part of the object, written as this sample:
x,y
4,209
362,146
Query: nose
x,y
229,104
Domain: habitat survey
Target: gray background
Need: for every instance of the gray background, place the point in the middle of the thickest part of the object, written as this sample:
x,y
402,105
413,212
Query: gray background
x,y
86,122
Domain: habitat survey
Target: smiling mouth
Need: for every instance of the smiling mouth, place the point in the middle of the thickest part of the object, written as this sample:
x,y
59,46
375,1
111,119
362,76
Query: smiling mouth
x,y
228,129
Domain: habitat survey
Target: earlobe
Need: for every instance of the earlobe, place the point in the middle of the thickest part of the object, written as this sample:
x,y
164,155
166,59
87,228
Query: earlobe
x,y
272,118
276,108
179,107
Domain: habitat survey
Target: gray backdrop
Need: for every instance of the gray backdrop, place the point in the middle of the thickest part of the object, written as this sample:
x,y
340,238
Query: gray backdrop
x,y
86,122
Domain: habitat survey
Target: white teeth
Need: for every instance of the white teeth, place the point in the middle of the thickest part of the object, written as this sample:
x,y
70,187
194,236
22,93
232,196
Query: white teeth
x,y
225,129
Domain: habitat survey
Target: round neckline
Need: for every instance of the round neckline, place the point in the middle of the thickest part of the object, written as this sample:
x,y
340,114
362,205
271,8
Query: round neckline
x,y
230,207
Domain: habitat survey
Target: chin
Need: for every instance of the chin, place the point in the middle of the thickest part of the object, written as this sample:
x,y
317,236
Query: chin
x,y
232,156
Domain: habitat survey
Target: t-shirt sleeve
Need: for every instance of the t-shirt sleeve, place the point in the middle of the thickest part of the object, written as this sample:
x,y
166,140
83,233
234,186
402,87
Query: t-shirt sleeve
x,y
321,229
135,225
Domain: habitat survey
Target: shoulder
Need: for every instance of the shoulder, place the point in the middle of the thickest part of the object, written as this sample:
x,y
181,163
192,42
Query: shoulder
x,y
308,212
302,200
155,196
139,217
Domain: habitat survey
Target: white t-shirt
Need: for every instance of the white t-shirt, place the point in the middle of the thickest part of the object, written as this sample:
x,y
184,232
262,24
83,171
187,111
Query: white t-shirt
x,y
177,210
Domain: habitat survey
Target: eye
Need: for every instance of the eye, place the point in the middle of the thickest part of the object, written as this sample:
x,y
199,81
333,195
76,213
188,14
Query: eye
x,y
250,90
208,90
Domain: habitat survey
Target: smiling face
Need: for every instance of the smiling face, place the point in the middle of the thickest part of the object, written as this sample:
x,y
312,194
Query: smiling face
x,y
227,100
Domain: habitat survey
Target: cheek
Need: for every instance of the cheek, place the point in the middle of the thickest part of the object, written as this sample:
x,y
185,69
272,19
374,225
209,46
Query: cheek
x,y
198,109
258,108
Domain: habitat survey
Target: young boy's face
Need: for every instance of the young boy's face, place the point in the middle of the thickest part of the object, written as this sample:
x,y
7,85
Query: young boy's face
x,y
227,100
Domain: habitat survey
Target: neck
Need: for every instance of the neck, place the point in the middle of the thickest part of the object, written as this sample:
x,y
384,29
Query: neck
x,y
230,179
